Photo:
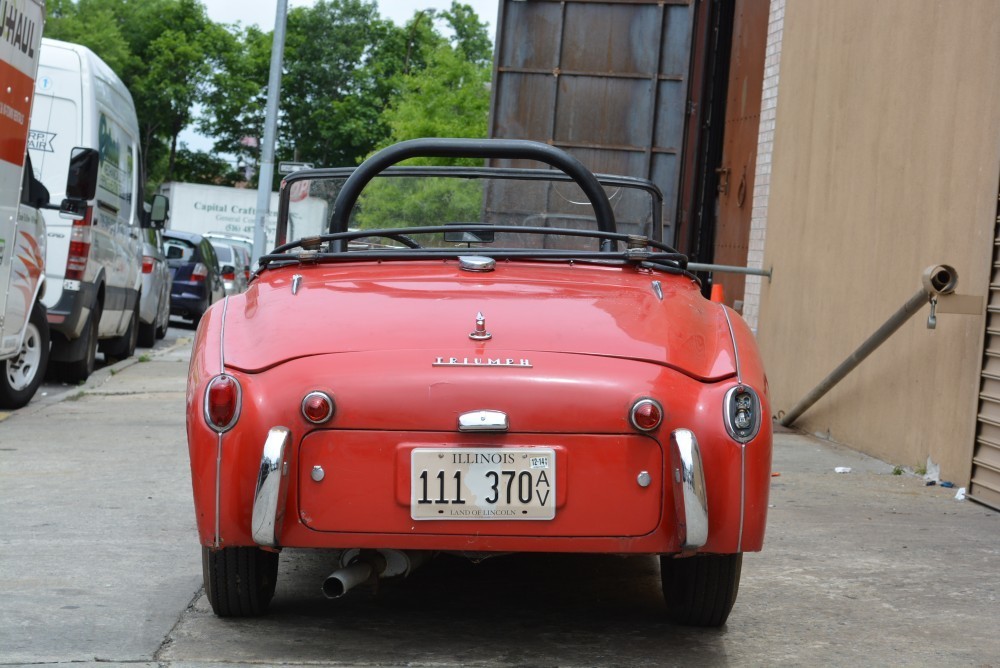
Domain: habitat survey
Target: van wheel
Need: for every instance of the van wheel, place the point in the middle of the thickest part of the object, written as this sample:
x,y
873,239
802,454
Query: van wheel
x,y
123,347
23,373
700,590
239,581
80,370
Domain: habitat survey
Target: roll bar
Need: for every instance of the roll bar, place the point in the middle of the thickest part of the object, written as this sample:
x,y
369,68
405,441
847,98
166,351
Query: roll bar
x,y
511,149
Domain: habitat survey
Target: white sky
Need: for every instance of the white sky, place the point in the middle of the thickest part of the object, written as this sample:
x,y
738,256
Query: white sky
x,y
263,13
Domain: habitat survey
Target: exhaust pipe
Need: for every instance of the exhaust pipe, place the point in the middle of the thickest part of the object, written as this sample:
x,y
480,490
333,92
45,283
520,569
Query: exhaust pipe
x,y
359,566
344,579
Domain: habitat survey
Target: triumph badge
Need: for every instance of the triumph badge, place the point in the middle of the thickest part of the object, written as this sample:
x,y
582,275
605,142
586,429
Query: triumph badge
x,y
480,334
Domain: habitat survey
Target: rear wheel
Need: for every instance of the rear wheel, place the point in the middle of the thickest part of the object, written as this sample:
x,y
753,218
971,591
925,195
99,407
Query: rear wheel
x,y
239,581
79,370
163,317
123,347
22,374
701,590
147,334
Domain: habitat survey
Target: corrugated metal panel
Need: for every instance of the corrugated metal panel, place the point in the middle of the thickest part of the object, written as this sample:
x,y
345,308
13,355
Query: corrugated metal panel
x,y
608,81
985,485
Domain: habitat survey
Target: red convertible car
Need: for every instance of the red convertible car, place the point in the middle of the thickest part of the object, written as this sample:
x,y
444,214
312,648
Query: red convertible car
x,y
475,360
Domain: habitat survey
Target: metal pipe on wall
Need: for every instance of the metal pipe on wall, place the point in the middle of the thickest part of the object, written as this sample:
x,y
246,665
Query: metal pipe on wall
x,y
936,280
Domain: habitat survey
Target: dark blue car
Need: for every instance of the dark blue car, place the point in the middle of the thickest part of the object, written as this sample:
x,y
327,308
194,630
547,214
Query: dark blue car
x,y
197,280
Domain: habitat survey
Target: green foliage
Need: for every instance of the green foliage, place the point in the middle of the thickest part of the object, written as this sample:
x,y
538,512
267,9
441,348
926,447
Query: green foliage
x,y
200,167
448,98
352,81
411,202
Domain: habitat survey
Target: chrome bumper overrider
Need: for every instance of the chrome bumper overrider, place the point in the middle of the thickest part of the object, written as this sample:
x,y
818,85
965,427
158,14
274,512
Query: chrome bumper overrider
x,y
690,497
272,485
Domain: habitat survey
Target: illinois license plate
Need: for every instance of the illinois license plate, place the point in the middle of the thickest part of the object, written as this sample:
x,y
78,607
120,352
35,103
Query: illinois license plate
x,y
483,484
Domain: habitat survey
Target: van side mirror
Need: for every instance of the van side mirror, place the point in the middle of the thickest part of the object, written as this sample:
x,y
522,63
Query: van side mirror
x,y
81,183
159,212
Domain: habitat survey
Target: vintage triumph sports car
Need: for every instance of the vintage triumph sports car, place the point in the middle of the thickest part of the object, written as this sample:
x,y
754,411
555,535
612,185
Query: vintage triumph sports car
x,y
475,360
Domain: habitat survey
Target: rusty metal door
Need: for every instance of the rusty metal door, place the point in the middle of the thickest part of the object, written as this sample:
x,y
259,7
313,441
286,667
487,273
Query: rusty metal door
x,y
608,81
739,154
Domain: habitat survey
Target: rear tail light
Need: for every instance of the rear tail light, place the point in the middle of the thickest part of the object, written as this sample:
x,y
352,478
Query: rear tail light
x,y
646,414
317,407
741,409
199,273
79,247
231,276
223,398
147,264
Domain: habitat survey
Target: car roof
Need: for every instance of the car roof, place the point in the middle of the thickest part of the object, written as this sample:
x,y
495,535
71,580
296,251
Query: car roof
x,y
186,236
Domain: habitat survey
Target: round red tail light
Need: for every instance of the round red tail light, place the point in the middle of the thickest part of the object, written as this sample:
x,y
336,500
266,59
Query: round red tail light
x,y
317,407
646,414
222,403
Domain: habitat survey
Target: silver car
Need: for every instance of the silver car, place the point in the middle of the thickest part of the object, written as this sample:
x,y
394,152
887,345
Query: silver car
x,y
233,264
154,303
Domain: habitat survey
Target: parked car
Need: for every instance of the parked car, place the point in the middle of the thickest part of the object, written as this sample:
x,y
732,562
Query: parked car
x,y
233,264
246,243
195,274
399,382
154,304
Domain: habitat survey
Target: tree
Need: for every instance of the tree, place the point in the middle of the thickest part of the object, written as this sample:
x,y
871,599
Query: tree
x,y
164,52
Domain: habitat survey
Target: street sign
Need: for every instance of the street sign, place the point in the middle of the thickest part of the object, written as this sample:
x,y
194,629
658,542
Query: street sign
x,y
289,167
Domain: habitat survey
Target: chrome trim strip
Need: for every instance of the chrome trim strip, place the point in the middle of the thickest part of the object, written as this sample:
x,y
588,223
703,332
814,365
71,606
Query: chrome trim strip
x,y
222,337
218,495
296,282
690,495
218,458
743,493
736,352
272,487
485,420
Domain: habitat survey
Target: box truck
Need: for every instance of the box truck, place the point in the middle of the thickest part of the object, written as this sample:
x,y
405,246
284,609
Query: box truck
x,y
24,331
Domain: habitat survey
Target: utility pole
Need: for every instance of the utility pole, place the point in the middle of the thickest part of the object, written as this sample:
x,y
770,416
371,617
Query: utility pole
x,y
266,172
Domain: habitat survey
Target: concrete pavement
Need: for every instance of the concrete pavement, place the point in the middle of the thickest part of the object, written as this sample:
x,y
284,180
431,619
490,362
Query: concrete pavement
x,y
99,563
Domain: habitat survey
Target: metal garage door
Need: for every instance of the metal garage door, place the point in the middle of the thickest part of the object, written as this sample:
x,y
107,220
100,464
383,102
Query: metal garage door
x,y
985,486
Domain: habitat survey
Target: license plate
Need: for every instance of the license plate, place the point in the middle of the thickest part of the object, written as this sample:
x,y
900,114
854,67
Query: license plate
x,y
483,484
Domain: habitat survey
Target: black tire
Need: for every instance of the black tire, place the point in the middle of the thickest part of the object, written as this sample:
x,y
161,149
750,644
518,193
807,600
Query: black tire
x,y
20,376
79,370
123,347
163,316
239,581
700,590
147,334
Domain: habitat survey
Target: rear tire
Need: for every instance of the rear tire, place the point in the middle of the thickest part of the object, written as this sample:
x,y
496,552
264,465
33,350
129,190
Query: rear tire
x,y
123,347
147,334
79,370
20,376
700,590
239,581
